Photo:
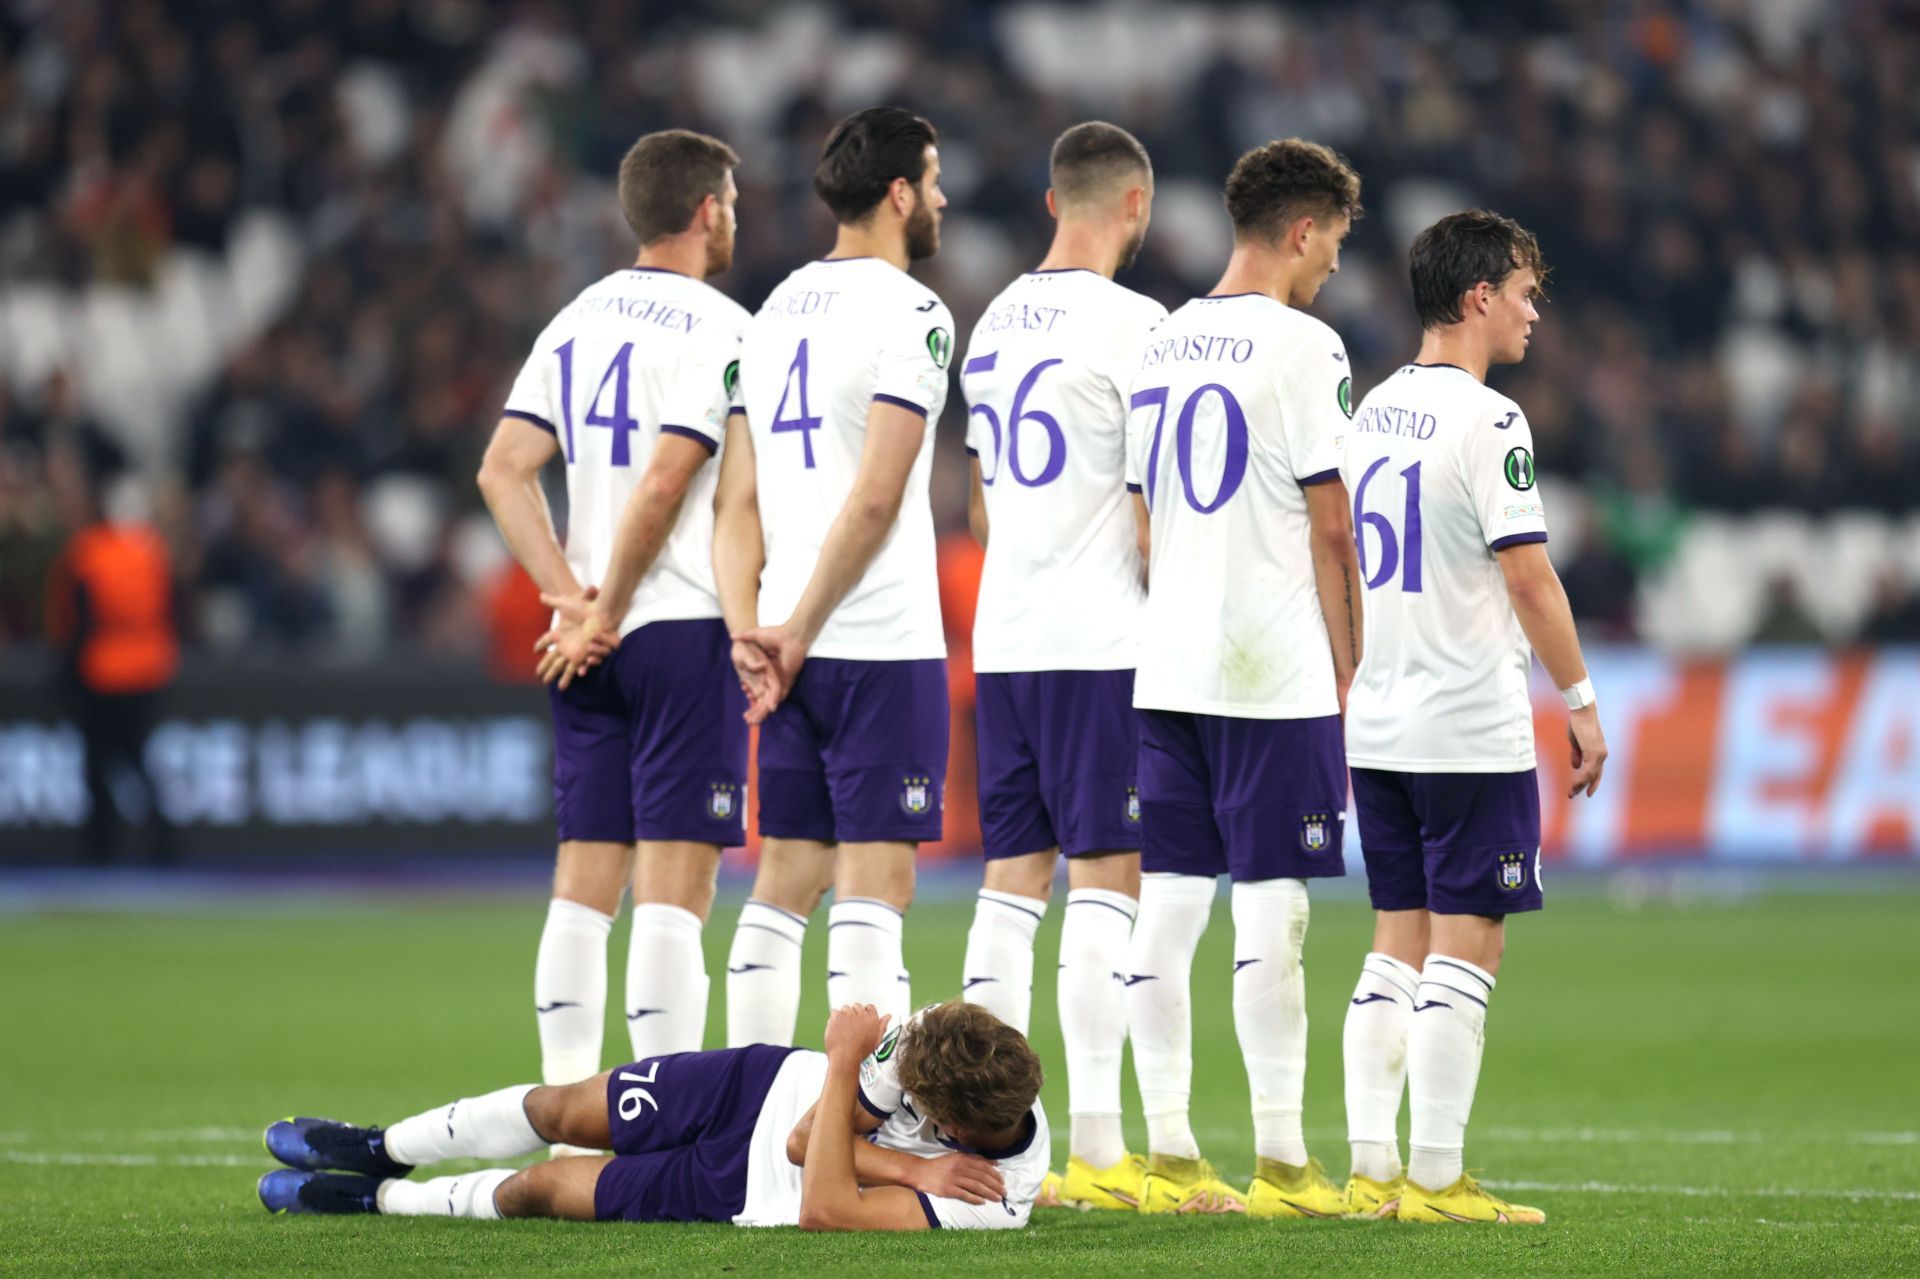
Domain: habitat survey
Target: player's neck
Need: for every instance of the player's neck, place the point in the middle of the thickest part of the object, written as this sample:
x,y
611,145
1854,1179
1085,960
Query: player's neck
x,y
1259,268
1078,246
1453,346
676,255
875,238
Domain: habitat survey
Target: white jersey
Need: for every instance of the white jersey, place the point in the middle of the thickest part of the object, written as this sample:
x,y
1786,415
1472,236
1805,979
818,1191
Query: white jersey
x,y
773,1180
1441,472
836,336
641,353
1047,374
1238,405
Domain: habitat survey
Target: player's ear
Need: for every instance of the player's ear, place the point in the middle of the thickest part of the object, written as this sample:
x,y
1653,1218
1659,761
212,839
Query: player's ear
x,y
1053,205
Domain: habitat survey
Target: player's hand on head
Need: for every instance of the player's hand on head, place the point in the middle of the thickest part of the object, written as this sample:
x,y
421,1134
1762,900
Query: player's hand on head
x,y
969,1178
853,1031
1589,750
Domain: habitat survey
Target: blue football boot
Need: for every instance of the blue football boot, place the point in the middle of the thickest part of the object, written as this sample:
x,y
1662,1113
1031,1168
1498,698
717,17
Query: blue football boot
x,y
327,1145
284,1190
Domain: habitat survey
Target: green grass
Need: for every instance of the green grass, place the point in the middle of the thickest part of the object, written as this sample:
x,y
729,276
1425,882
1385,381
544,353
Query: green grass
x,y
1760,1054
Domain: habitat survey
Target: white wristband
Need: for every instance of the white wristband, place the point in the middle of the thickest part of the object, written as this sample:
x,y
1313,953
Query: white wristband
x,y
1580,696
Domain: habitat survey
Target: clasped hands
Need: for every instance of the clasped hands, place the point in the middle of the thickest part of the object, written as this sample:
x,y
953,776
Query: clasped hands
x,y
766,659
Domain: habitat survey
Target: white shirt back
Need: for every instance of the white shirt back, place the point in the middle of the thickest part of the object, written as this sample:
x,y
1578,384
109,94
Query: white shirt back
x,y
773,1181
1047,373
1441,471
833,338
1239,403
637,354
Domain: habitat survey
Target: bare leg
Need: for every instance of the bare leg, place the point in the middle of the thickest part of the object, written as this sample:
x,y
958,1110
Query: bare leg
x,y
561,1188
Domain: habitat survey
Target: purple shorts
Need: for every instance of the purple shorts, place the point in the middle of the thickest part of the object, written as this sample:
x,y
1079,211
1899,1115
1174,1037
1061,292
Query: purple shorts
x,y
651,743
1059,752
1451,843
1255,798
682,1130
857,752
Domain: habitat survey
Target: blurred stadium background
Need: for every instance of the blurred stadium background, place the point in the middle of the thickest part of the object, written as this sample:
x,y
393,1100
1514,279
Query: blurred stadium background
x,y
267,266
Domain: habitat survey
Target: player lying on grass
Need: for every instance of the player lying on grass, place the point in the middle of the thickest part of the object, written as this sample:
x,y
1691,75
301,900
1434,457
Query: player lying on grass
x,y
759,1136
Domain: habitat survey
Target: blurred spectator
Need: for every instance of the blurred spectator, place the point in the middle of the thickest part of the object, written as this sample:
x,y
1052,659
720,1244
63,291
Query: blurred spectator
x,y
1786,619
1895,617
110,614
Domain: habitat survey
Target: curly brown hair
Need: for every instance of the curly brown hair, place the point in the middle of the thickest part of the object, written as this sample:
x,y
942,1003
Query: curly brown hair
x,y
968,1069
1275,185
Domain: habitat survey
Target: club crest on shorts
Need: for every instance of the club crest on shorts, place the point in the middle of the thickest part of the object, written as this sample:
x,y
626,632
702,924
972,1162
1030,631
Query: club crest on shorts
x,y
916,795
720,801
1133,804
1512,872
1314,829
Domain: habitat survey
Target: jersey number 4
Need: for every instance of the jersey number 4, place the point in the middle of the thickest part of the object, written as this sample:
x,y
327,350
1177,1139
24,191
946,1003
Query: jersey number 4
x,y
795,390
619,420
1399,551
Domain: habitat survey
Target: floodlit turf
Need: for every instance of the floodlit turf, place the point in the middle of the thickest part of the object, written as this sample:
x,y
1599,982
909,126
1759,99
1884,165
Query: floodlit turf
x,y
1737,1080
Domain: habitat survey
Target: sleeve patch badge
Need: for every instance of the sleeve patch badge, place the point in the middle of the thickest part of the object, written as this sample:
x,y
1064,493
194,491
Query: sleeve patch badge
x,y
940,346
730,380
1519,469
1345,394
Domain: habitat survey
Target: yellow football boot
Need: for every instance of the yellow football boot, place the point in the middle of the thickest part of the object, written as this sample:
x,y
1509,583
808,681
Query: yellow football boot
x,y
1374,1200
1115,1188
1187,1186
1466,1201
1282,1190
1049,1196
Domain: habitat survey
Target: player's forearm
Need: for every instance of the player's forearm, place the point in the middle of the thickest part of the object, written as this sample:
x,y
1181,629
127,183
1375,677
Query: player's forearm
x,y
648,518
829,1185
1336,578
739,554
519,508
1540,602
851,544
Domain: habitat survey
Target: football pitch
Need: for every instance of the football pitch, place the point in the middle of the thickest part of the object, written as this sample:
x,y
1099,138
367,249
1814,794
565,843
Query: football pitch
x,y
1726,1087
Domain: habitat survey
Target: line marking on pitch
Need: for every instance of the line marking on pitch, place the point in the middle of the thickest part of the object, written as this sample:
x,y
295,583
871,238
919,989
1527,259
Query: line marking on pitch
x,y
1639,1136
1755,1192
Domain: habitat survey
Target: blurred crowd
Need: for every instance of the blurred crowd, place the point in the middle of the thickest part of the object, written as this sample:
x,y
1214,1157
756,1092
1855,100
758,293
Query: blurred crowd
x,y
1728,192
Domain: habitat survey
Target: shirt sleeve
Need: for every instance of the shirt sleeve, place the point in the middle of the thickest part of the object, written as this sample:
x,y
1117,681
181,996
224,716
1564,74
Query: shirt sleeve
x,y
1498,458
958,1214
535,396
1316,397
1125,365
880,1090
979,434
705,390
915,351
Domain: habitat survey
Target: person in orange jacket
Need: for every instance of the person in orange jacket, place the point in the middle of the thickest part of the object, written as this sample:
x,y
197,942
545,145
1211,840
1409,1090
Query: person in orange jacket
x,y
110,615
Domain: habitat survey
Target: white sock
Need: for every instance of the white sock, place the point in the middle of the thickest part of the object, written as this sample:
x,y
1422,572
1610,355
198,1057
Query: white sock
x,y
570,991
491,1126
666,981
763,975
1374,1050
1443,1066
1270,1010
864,963
998,970
468,1195
1173,914
1094,935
